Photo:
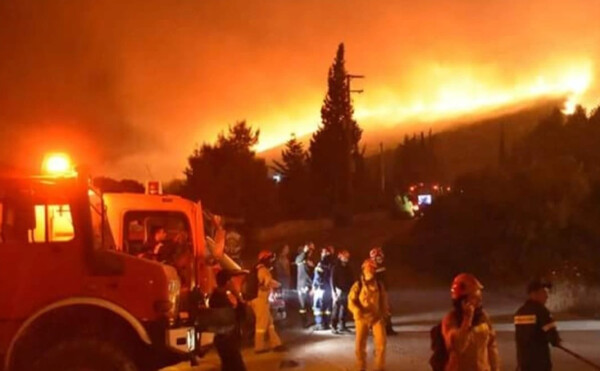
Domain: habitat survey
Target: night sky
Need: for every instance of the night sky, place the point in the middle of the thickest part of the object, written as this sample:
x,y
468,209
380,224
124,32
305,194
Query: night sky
x,y
130,87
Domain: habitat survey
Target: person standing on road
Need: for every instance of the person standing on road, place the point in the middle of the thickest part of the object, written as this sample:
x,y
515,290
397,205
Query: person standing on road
x,y
260,305
467,329
283,270
377,256
368,303
229,344
322,290
342,279
305,267
534,329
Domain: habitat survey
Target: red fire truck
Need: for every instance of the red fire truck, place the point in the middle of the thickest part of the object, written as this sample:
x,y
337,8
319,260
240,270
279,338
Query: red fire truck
x,y
71,301
132,216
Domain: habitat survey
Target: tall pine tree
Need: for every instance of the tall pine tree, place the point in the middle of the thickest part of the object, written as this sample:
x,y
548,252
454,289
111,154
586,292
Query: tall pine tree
x,y
334,147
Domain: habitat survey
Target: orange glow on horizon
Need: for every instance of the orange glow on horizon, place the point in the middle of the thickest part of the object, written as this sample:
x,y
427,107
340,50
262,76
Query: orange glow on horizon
x,y
440,93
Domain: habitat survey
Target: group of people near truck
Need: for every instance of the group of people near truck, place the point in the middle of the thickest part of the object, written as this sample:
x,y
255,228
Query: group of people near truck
x,y
329,293
327,283
465,339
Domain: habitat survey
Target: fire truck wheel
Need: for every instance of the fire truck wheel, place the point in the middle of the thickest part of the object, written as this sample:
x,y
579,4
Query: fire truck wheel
x,y
84,354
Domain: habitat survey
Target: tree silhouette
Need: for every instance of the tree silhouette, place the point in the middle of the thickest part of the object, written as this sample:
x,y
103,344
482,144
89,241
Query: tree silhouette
x,y
415,161
535,215
335,145
229,179
294,186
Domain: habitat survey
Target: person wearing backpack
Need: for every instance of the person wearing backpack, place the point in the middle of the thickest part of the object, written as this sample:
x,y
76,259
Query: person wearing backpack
x,y
260,305
468,335
368,303
377,256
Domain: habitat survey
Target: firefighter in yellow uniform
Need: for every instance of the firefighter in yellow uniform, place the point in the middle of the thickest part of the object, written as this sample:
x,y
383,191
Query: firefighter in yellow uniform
x,y
260,305
467,329
368,303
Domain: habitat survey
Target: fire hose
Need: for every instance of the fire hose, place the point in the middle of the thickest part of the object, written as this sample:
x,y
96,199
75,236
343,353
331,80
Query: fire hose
x,y
582,359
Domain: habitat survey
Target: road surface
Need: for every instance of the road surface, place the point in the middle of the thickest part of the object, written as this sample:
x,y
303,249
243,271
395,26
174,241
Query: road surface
x,y
415,312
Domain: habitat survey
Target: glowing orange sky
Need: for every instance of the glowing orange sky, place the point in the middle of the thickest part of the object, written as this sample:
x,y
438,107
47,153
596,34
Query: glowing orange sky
x,y
178,72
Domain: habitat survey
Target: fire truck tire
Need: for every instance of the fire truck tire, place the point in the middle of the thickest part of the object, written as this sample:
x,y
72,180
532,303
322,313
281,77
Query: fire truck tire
x,y
84,354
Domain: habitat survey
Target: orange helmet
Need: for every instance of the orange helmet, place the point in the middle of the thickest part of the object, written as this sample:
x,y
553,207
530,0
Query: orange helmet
x,y
376,252
464,284
265,255
344,254
368,263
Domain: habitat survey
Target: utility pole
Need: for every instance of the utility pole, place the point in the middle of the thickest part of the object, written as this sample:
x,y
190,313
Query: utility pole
x,y
382,168
349,78
348,128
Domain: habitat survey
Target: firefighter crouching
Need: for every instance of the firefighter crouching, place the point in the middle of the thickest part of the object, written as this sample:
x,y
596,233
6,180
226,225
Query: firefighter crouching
x,y
467,329
260,305
534,329
322,300
377,256
342,279
304,280
368,303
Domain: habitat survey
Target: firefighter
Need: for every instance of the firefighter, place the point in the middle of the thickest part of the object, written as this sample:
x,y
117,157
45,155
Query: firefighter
x,y
322,289
260,305
152,247
305,267
342,279
377,256
467,330
229,344
368,303
534,329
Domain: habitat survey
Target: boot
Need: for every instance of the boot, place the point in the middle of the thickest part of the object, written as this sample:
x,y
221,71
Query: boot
x,y
389,330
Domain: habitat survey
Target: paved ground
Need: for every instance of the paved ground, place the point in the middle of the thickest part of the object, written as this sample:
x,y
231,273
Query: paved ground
x,y
415,312
416,309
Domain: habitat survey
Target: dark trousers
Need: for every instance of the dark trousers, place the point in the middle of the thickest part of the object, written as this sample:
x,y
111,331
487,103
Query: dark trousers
x,y
229,349
340,308
322,305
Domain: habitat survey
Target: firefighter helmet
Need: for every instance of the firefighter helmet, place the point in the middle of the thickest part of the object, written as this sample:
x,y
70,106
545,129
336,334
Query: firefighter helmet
x,y
368,264
465,284
265,255
376,252
344,254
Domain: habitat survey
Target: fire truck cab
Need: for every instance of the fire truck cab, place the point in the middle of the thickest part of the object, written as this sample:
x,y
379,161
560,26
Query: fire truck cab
x,y
70,301
133,216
